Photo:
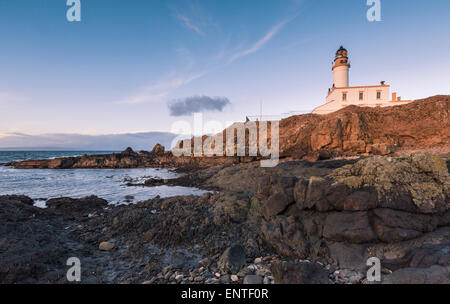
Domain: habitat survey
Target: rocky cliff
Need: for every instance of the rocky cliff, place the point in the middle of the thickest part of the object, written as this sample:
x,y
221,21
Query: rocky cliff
x,y
378,131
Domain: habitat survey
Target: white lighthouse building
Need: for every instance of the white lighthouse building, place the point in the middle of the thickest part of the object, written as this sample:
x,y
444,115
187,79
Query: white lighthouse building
x,y
341,95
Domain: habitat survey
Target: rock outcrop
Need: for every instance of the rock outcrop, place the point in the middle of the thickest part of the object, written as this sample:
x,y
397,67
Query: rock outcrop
x,y
352,131
382,207
158,158
374,131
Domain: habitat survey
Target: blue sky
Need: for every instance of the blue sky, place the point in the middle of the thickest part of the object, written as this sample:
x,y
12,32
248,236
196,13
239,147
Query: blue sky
x,y
116,70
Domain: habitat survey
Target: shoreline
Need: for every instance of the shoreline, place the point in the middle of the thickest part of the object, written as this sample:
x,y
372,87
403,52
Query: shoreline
x,y
278,234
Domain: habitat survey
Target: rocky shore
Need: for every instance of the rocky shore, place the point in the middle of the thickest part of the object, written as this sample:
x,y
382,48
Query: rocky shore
x,y
351,132
300,222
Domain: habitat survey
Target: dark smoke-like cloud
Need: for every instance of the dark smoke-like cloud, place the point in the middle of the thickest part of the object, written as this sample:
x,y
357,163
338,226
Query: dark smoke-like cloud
x,y
195,104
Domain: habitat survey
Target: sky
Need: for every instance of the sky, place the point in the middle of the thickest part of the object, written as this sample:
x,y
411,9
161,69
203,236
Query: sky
x,y
132,66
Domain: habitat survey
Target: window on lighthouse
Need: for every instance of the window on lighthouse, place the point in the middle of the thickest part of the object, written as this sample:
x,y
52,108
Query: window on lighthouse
x,y
361,95
344,96
378,95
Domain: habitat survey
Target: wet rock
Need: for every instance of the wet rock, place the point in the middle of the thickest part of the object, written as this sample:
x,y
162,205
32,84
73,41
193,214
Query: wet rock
x,y
299,273
75,207
233,259
17,198
35,243
129,198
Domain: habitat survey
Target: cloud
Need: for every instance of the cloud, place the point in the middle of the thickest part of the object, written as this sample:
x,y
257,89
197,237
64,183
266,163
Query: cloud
x,y
273,31
188,23
110,142
194,104
160,90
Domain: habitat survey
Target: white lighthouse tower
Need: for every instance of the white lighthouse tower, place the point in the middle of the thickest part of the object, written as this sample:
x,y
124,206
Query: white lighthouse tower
x,y
342,95
341,68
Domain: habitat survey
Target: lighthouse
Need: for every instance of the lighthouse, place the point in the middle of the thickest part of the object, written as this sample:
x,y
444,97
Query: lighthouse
x,y
341,67
342,95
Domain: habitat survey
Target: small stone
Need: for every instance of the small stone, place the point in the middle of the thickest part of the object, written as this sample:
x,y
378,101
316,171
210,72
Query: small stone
x,y
106,246
151,281
116,221
168,275
234,278
258,260
217,274
179,277
253,279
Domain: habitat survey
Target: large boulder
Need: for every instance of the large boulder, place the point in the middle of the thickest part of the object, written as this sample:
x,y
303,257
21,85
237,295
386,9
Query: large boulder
x,y
277,202
233,259
128,152
417,183
158,149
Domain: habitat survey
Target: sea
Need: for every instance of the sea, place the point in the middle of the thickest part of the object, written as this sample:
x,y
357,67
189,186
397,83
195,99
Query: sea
x,y
109,184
